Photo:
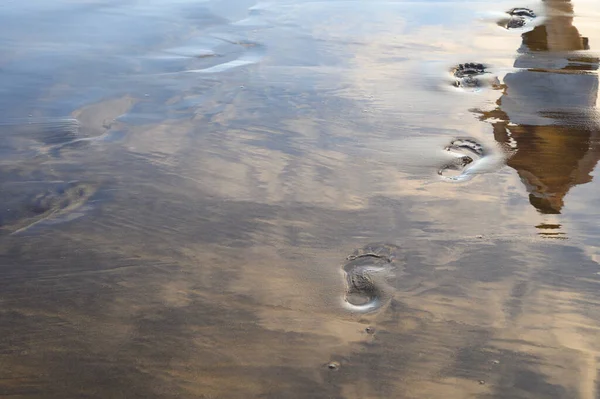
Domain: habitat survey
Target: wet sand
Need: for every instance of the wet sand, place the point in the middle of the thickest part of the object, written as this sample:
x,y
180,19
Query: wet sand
x,y
198,200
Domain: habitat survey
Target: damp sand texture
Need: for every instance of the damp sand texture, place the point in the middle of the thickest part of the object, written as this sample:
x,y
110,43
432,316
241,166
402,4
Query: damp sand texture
x,y
299,199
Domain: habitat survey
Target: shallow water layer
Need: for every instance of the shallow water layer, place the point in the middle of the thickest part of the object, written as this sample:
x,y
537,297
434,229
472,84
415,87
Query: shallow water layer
x,y
295,199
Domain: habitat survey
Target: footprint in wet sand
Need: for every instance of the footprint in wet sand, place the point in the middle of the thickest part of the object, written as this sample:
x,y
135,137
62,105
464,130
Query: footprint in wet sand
x,y
519,18
32,137
473,76
208,56
51,203
466,153
369,271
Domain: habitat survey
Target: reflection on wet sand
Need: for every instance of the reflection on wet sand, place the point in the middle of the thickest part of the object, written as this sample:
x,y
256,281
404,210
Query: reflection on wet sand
x,y
214,260
546,112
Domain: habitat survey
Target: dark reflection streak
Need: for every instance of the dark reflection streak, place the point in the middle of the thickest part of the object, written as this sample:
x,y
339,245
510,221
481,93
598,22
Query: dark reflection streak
x,y
545,110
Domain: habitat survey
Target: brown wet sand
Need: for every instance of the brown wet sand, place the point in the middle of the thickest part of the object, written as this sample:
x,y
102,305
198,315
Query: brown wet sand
x,y
151,319
204,257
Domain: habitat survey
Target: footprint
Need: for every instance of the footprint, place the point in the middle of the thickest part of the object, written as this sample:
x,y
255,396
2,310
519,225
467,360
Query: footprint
x,y
369,271
38,136
32,136
466,154
472,76
51,203
208,56
519,17
468,145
